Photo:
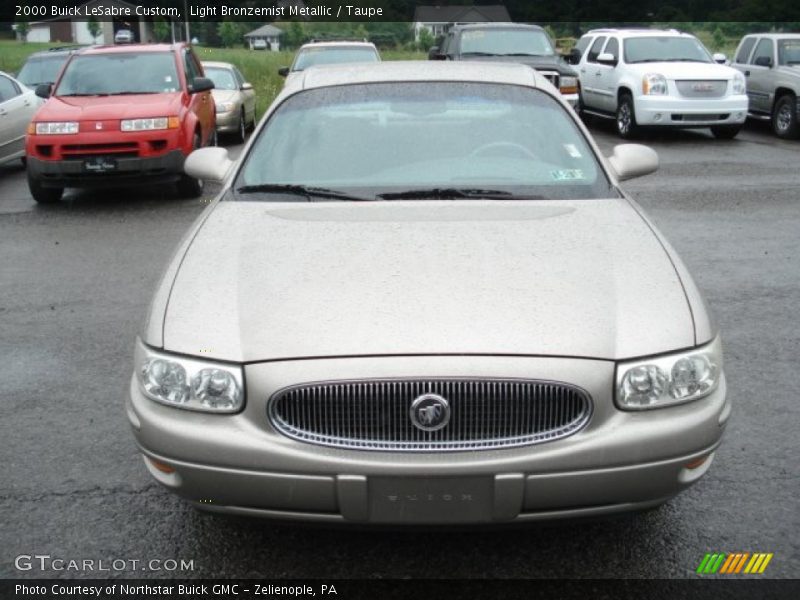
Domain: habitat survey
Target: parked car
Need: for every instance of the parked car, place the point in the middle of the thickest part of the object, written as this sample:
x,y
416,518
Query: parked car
x,y
121,115
234,99
44,67
17,105
771,64
510,42
422,298
658,78
330,53
124,36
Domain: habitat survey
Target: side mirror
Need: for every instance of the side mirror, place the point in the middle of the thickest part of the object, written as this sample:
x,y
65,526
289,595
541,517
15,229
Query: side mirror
x,y
208,164
633,160
574,56
247,86
44,90
764,61
720,58
607,58
283,71
201,84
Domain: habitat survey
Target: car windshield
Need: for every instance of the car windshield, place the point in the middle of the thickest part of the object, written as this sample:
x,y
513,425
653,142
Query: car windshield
x,y
119,73
665,49
223,78
41,70
437,140
789,52
506,42
333,56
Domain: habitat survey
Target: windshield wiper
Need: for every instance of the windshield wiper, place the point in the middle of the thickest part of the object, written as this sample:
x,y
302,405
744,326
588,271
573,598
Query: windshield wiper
x,y
78,95
452,194
299,190
480,54
523,54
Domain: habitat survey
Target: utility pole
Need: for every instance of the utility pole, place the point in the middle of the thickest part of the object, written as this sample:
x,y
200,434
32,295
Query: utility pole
x,y
186,20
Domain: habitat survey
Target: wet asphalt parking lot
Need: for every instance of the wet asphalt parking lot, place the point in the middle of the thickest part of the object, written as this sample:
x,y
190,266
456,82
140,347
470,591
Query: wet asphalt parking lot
x,y
76,281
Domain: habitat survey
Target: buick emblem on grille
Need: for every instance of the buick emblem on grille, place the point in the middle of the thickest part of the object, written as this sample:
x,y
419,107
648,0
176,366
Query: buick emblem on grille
x,y
430,412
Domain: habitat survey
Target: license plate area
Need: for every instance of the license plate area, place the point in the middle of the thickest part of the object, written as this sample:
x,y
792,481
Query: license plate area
x,y
431,500
100,164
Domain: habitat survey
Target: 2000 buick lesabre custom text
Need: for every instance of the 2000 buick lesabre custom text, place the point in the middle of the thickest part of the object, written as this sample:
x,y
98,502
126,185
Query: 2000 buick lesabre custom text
x,y
421,297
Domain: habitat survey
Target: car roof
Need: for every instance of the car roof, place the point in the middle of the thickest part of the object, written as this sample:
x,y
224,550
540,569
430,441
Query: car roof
x,y
57,51
776,36
409,71
640,32
128,48
217,64
509,25
335,43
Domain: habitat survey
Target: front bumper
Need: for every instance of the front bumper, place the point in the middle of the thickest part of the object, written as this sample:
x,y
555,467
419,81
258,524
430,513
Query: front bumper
x,y
228,122
620,461
673,111
165,168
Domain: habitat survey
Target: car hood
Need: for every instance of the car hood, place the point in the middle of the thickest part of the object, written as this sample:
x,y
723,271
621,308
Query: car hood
x,y
224,95
684,70
90,108
265,281
554,63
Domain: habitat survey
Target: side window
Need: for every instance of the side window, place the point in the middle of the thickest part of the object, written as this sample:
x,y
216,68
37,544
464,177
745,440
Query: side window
x,y
612,48
744,50
583,43
764,49
8,89
190,66
594,52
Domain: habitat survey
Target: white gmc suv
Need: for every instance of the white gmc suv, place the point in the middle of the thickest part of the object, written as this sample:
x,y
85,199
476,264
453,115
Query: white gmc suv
x,y
648,77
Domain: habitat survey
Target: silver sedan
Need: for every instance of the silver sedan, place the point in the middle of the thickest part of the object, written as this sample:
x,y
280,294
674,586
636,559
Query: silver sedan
x,y
235,99
422,297
17,105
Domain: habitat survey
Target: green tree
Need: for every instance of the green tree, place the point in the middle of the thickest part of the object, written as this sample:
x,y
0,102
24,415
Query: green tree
x,y
94,27
23,28
293,36
719,39
426,40
161,30
230,33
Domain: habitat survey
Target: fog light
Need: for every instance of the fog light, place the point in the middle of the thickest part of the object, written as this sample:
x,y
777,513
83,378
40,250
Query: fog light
x,y
697,462
163,467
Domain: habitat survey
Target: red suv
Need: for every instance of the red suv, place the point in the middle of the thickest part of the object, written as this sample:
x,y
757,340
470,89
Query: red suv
x,y
121,115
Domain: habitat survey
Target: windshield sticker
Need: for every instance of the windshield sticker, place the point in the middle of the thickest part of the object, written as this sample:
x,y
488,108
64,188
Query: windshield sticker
x,y
572,150
567,175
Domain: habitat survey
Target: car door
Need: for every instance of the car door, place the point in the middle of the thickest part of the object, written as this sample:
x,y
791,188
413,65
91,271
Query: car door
x,y
249,95
590,75
17,105
759,76
606,77
201,104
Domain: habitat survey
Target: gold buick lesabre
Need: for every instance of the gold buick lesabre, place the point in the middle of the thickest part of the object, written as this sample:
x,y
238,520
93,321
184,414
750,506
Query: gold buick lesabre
x,y
421,297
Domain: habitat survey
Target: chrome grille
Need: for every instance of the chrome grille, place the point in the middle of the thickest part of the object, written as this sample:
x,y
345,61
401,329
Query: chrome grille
x,y
694,88
375,414
551,76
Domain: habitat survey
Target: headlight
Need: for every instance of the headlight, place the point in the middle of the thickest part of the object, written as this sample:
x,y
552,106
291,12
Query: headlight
x,y
59,128
739,86
189,383
224,107
670,379
150,124
654,84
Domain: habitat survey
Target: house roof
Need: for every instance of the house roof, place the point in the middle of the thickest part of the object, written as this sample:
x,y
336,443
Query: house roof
x,y
461,14
265,31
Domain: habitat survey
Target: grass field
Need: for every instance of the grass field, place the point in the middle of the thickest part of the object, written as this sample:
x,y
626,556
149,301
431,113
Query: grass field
x,y
259,68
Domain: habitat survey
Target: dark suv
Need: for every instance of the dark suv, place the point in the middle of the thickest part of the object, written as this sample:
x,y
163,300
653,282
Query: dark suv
x,y
510,42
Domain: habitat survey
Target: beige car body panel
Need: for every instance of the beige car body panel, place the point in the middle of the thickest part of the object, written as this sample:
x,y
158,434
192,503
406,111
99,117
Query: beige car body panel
x,y
556,290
